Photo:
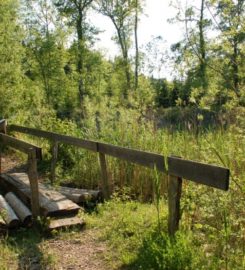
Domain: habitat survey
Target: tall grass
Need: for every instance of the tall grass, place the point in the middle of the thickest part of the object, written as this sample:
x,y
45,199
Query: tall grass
x,y
220,237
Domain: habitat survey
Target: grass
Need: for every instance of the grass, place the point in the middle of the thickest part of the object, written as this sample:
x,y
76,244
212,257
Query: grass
x,y
207,238
136,240
22,249
212,229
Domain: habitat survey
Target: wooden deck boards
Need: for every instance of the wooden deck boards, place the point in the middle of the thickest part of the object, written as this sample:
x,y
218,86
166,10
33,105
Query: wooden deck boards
x,y
80,195
66,222
52,203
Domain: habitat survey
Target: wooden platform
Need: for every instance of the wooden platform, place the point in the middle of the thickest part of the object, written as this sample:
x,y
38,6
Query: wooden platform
x,y
81,195
67,222
52,203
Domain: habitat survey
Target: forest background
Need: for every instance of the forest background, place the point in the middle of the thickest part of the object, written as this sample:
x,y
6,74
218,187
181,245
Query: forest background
x,y
52,78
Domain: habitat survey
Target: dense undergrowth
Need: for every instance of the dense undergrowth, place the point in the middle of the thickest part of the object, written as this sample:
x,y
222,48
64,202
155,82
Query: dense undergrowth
x,y
212,229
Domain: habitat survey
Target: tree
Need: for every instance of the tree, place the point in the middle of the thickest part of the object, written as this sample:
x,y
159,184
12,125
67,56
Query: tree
x,y
230,22
136,19
76,13
11,55
195,18
46,56
120,13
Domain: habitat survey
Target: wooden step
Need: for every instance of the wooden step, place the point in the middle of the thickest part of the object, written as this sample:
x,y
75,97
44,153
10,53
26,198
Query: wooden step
x,y
52,203
80,195
68,222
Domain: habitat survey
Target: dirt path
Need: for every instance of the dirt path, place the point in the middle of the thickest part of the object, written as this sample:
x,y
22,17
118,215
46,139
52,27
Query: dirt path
x,y
81,252
69,251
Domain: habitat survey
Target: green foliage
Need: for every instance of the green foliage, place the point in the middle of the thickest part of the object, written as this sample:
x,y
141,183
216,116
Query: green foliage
x,y
129,221
159,252
49,80
24,250
10,53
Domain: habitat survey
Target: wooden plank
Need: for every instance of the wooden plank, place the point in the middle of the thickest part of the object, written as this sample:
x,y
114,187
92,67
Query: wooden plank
x,y
143,158
20,145
8,214
52,203
23,213
56,224
86,144
174,195
210,175
104,175
54,160
80,195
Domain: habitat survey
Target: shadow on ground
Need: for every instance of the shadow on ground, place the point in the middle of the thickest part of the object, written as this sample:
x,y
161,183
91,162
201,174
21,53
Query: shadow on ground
x,y
25,242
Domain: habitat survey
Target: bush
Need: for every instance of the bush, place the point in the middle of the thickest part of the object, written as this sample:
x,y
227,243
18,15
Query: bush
x,y
159,252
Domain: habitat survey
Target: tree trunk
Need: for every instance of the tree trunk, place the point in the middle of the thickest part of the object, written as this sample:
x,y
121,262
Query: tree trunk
x,y
136,71
235,67
202,49
80,63
123,44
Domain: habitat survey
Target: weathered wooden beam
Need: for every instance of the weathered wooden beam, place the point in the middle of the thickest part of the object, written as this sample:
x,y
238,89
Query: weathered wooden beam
x,y
23,213
20,145
80,195
54,160
210,175
104,175
143,158
86,144
8,214
52,203
56,224
33,178
174,195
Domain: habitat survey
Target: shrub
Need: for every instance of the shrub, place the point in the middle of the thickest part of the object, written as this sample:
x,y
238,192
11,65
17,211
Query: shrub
x,y
160,252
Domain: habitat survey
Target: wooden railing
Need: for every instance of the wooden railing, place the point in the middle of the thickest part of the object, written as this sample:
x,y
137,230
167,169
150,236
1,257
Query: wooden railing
x,y
33,152
177,168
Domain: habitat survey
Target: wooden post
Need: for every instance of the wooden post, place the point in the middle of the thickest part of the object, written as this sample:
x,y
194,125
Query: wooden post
x,y
33,178
1,149
104,174
3,126
3,129
174,194
54,160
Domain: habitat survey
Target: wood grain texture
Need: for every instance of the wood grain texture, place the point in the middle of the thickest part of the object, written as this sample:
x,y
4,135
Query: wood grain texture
x,y
104,176
33,181
23,213
8,214
174,195
20,145
80,195
52,203
210,175
56,224
54,161
86,144
143,158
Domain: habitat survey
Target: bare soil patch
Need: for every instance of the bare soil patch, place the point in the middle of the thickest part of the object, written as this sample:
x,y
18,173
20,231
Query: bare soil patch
x,y
84,251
